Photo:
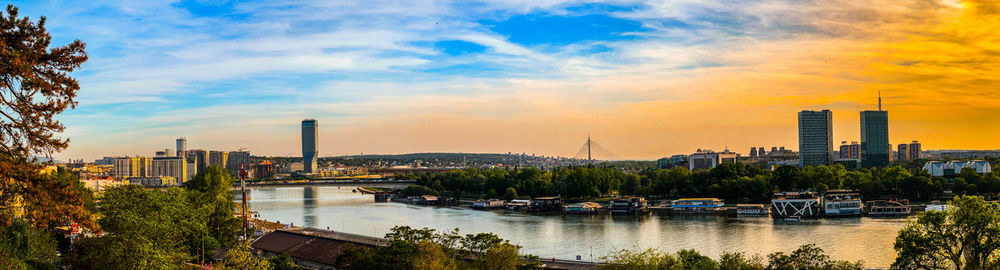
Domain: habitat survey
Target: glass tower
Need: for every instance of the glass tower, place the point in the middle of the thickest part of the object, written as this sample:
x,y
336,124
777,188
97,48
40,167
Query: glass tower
x,y
309,143
875,138
815,138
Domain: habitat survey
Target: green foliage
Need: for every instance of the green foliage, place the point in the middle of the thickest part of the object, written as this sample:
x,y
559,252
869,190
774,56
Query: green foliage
x,y
241,257
427,249
25,247
418,190
283,262
807,257
966,236
145,229
510,194
209,190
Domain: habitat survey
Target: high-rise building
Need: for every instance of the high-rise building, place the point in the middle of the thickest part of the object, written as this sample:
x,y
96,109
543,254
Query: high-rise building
x,y
914,150
175,167
218,158
708,159
875,148
760,151
182,146
903,152
125,167
199,157
815,138
753,152
309,144
236,161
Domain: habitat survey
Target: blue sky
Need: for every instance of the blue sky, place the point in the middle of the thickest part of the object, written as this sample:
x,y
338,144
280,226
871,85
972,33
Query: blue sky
x,y
396,76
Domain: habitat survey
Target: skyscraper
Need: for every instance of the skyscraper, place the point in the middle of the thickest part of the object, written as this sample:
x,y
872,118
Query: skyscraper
x,y
236,161
309,143
815,138
182,146
875,147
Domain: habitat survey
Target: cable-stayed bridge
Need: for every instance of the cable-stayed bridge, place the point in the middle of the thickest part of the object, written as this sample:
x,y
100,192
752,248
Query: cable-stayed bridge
x,y
591,150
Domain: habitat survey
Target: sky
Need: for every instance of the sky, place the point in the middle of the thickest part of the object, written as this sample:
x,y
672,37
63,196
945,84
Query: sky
x,y
645,79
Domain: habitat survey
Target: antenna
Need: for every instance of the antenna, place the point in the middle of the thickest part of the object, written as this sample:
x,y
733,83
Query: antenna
x,y
588,148
880,100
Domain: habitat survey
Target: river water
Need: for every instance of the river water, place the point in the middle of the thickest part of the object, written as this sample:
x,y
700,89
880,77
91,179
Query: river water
x,y
590,237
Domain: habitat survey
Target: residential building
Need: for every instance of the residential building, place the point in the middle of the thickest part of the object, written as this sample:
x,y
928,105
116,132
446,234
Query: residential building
x,y
265,169
753,151
132,167
914,149
309,145
850,151
238,160
200,158
760,151
708,159
153,181
182,147
175,167
218,158
903,152
815,138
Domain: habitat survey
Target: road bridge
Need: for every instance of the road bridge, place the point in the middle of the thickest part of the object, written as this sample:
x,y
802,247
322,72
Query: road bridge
x,y
394,184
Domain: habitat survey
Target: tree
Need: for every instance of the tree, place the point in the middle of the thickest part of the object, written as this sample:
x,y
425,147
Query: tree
x,y
35,85
209,189
153,226
283,262
650,259
966,236
808,257
739,261
24,247
510,194
241,257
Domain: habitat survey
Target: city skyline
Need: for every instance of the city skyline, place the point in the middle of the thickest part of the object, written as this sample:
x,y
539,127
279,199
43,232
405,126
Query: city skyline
x,y
630,74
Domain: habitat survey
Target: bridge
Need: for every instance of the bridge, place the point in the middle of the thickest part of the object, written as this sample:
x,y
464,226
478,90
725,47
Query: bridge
x,y
380,183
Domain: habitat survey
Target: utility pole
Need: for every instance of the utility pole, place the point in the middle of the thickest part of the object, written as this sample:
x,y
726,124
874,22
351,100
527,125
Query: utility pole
x,y
243,187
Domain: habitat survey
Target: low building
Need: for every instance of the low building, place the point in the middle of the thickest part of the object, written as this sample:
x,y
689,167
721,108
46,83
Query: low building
x,y
584,208
952,168
672,161
795,204
153,181
310,250
708,159
696,205
842,203
518,204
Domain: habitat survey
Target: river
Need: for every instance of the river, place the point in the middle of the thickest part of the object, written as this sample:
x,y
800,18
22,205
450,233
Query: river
x,y
590,237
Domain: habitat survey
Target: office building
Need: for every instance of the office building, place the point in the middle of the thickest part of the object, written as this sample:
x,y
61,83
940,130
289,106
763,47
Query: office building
x,y
708,159
309,144
182,147
815,138
175,167
875,148
236,161
218,158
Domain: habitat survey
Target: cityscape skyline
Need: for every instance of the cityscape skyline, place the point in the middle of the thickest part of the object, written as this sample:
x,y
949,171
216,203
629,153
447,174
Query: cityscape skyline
x,y
630,74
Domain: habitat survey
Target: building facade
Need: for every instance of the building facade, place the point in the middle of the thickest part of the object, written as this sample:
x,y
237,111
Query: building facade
x,y
708,159
218,158
309,145
175,167
182,146
200,158
815,138
850,151
875,148
237,160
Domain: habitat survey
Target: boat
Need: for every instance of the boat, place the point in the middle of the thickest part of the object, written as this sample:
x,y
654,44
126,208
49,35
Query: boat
x,y
696,205
583,208
888,208
799,204
629,206
842,203
518,205
382,197
545,204
793,218
488,204
753,210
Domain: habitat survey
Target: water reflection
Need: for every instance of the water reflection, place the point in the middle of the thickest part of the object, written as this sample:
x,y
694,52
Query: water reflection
x,y
568,236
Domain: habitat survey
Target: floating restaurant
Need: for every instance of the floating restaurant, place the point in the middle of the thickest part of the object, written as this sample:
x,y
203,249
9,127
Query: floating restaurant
x,y
795,204
584,208
842,203
629,206
890,208
696,205
753,210
488,204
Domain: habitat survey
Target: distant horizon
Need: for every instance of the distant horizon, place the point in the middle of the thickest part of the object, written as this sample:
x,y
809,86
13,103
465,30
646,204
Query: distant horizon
x,y
644,78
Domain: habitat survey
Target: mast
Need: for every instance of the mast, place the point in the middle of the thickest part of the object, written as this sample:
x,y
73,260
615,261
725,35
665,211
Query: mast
x,y
243,188
589,160
880,100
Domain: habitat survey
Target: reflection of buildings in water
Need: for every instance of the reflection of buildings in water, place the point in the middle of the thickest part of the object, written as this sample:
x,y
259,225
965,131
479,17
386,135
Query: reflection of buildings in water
x,y
309,206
